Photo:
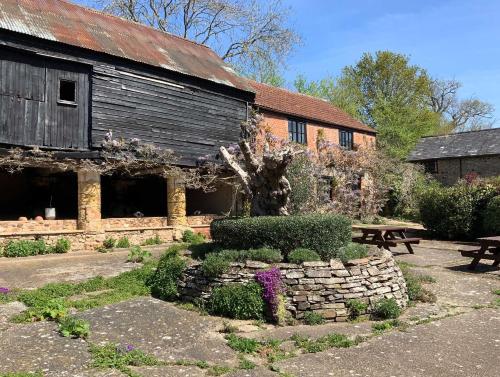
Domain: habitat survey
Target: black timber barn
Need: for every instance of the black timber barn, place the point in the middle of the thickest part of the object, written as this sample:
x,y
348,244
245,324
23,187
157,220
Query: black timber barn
x,y
69,75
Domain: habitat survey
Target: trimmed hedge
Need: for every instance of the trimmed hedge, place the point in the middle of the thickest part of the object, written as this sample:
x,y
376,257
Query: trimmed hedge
x,y
298,256
322,233
491,221
455,212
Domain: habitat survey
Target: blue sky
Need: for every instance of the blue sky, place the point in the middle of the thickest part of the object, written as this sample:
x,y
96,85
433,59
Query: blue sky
x,y
450,38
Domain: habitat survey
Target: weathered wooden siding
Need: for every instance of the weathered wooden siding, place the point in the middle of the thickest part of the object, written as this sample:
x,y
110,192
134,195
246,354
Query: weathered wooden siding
x,y
191,121
193,117
30,110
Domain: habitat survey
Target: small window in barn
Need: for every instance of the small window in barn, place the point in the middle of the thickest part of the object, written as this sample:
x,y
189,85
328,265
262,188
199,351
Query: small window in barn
x,y
67,91
297,131
346,139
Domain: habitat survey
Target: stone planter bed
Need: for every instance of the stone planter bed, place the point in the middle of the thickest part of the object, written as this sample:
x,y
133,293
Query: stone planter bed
x,y
322,287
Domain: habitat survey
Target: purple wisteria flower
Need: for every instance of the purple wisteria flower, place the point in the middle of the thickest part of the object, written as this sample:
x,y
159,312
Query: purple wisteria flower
x,y
270,280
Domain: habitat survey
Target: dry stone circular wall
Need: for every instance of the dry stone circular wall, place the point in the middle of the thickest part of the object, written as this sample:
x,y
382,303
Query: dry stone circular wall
x,y
322,287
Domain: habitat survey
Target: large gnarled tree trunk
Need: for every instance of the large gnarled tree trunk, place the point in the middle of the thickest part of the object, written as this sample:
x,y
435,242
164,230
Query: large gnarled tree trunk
x,y
263,178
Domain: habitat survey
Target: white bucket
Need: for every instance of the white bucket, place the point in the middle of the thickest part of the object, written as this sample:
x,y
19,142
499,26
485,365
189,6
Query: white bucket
x,y
50,213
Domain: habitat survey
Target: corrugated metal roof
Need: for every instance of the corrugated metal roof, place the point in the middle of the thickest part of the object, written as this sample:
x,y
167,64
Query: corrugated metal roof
x,y
284,101
65,22
464,144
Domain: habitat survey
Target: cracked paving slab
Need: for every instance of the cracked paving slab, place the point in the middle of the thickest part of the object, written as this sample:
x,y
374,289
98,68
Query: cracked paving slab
x,y
39,347
464,345
160,328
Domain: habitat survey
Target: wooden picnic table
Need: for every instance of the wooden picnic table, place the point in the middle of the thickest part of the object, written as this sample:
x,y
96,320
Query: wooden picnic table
x,y
490,249
385,236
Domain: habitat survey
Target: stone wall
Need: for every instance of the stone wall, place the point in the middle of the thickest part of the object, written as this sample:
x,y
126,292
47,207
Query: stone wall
x,y
321,287
9,227
449,171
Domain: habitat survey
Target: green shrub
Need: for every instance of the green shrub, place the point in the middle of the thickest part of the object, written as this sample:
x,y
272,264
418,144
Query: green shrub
x,y
156,240
386,308
199,251
491,221
323,233
243,345
215,265
264,255
240,301
138,255
193,238
73,327
303,255
455,212
356,308
123,243
352,251
109,243
24,248
313,318
164,281
62,246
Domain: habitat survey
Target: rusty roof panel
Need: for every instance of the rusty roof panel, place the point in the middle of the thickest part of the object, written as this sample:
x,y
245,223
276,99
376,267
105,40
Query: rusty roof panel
x,y
65,22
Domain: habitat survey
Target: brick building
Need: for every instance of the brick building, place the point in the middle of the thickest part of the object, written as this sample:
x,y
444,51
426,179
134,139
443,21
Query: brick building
x,y
451,157
299,117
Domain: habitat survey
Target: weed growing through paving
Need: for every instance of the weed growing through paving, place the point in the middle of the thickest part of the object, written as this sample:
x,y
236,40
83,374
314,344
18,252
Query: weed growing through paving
x,y
156,240
123,243
22,374
333,340
218,370
72,327
138,255
386,308
416,292
246,364
243,345
381,327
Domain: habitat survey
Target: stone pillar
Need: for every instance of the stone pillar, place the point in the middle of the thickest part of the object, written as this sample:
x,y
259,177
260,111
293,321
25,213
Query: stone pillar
x,y
176,201
89,201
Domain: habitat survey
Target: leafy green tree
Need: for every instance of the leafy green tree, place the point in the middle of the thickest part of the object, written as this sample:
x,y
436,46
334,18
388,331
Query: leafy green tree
x,y
386,92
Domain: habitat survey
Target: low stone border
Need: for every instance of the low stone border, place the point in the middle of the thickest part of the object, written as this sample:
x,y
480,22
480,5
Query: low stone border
x,y
322,287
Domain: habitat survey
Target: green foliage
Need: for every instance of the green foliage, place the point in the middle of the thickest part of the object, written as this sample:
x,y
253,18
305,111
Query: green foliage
x,y
62,246
301,175
455,212
313,318
193,238
215,264
109,243
416,292
352,251
303,255
164,281
120,357
323,343
356,308
246,364
138,255
54,299
199,251
70,326
240,301
381,327
24,248
386,308
123,243
323,233
243,345
156,240
491,221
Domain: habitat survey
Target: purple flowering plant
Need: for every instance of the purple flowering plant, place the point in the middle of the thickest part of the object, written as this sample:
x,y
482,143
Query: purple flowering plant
x,y
270,280
4,290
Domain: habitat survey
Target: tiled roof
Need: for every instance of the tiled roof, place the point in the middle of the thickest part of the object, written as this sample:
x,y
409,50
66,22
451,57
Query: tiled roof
x,y
65,22
304,106
464,144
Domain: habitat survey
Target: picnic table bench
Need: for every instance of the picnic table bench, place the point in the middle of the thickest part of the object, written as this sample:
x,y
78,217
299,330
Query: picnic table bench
x,y
489,249
385,236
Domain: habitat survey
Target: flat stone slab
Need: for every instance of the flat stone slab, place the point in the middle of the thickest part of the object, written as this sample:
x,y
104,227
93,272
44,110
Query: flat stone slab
x,y
38,346
256,372
160,328
170,371
464,345
7,311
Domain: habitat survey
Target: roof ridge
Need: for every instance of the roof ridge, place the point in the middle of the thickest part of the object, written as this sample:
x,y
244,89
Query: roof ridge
x,y
316,99
463,132
102,13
